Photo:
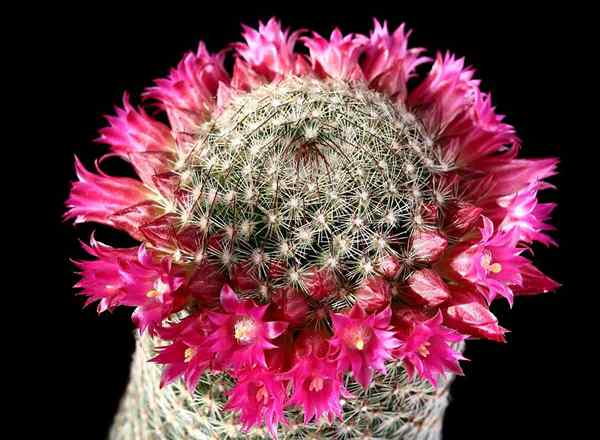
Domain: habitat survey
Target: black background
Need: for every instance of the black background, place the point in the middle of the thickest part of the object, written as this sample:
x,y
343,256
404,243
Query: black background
x,y
86,57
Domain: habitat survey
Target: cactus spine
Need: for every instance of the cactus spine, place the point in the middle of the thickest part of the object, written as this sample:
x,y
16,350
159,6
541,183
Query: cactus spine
x,y
394,406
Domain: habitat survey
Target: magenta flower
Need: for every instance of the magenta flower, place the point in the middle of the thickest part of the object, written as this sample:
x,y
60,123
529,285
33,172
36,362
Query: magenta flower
x,y
316,379
186,95
290,305
120,202
450,100
319,283
521,212
268,54
140,139
534,282
130,277
365,342
259,396
336,58
186,355
427,349
493,264
240,336
389,63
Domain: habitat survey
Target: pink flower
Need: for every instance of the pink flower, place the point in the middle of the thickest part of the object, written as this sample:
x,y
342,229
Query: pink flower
x,y
205,284
450,103
186,355
139,139
240,336
130,277
338,57
259,396
388,63
316,379
187,95
427,349
364,342
493,264
521,212
389,266
121,202
270,51
242,278
460,218
505,177
446,93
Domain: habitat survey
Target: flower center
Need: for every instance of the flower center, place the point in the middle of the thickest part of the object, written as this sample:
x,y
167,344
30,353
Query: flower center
x,y
244,330
423,350
262,395
159,288
316,384
358,338
486,263
188,354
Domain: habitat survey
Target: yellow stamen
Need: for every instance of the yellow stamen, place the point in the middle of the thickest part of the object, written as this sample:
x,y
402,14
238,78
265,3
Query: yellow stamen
x,y
244,330
360,343
189,354
153,293
262,395
495,268
358,337
316,384
486,263
423,350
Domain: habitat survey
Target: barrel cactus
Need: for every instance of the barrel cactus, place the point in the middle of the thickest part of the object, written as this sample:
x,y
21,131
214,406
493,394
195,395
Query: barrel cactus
x,y
317,237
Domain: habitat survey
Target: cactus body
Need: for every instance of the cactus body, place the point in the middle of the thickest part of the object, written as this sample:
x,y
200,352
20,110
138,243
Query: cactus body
x,y
318,238
305,174
394,407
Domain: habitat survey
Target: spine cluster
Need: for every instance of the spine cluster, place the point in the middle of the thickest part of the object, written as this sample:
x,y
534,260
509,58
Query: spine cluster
x,y
306,174
394,406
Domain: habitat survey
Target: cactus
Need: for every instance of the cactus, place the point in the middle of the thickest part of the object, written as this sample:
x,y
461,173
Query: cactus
x,y
308,174
317,238
394,406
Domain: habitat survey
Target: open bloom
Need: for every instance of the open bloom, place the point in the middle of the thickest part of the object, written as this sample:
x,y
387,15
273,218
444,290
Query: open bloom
x,y
521,212
240,336
130,277
316,379
259,396
427,349
364,342
186,355
493,264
